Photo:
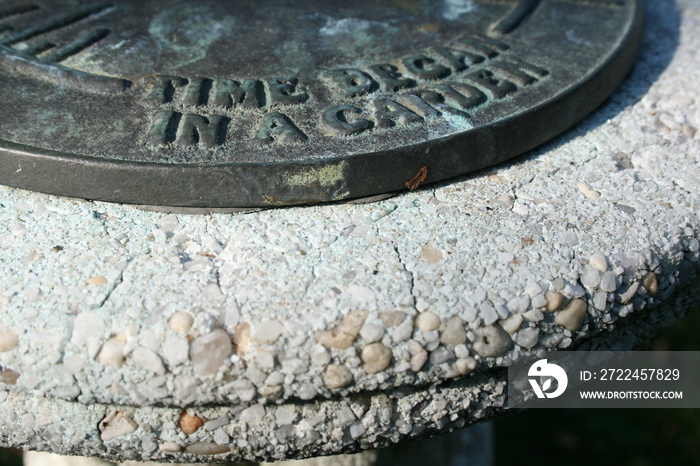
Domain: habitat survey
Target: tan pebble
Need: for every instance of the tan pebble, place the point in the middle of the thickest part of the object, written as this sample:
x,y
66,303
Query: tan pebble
x,y
527,241
430,255
465,366
206,448
8,338
181,322
688,131
427,321
375,358
169,447
491,341
343,335
392,318
272,392
454,333
598,262
571,317
554,300
651,283
418,360
8,376
190,423
97,280
116,424
337,376
587,191
512,323
241,338
112,352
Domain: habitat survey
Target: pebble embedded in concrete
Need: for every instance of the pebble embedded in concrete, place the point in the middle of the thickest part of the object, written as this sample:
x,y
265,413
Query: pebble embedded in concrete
x,y
571,317
554,300
344,334
8,338
375,358
181,322
492,341
112,352
427,321
116,424
209,351
337,376
454,332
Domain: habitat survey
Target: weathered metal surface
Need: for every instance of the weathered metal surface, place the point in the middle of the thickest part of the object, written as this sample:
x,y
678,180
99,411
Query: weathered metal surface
x,y
221,104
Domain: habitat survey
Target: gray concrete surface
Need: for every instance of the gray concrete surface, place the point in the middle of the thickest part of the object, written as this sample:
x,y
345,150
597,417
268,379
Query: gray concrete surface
x,y
308,331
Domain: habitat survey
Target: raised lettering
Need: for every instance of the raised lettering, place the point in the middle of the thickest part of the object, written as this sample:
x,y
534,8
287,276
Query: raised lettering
x,y
463,95
459,60
437,100
206,132
480,45
498,88
282,91
417,66
521,72
277,127
390,78
228,93
335,119
352,82
164,88
164,128
390,113
197,92
417,105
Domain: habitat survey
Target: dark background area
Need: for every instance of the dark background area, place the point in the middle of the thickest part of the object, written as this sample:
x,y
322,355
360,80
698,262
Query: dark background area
x,y
620,437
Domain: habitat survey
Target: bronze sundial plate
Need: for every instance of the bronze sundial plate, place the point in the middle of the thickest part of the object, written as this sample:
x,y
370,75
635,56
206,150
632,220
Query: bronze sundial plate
x,y
258,103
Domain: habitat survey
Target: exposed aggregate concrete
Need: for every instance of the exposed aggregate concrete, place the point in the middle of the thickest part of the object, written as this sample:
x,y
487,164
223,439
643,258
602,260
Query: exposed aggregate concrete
x,y
308,331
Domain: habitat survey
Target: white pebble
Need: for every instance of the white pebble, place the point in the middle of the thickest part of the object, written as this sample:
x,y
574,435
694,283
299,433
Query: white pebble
x,y
527,337
609,282
208,352
371,333
268,331
148,360
590,278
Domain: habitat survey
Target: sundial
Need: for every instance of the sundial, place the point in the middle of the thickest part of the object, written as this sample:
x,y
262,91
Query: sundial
x,y
232,104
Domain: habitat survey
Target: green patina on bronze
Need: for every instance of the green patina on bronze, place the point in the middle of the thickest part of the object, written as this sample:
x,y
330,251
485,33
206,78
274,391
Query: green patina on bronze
x,y
231,104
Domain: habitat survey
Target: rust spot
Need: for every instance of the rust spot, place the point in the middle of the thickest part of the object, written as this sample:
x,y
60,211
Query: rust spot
x,y
190,423
420,177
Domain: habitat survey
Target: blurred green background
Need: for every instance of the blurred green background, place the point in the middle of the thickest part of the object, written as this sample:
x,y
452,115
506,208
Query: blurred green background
x,y
620,437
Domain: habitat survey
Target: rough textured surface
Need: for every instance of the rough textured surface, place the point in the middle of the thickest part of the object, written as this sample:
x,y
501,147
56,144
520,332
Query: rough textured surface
x,y
281,295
